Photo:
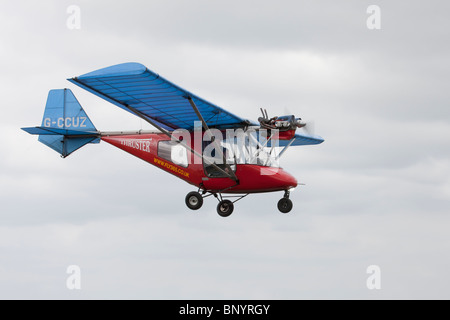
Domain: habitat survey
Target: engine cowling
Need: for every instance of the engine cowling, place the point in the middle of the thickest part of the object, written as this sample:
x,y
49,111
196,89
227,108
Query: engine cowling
x,y
286,125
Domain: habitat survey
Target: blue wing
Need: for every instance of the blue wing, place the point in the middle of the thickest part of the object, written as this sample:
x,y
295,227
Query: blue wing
x,y
302,139
133,85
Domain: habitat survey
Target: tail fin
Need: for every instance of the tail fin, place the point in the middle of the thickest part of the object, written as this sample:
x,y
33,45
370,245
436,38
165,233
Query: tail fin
x,y
65,127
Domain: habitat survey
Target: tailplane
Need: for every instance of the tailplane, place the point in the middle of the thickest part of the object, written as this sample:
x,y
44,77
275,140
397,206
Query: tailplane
x,y
65,127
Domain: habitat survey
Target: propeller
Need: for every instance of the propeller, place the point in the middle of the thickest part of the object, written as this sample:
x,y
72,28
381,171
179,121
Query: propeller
x,y
307,126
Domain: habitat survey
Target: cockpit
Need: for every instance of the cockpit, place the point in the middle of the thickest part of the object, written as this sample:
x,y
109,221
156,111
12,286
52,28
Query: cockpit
x,y
249,147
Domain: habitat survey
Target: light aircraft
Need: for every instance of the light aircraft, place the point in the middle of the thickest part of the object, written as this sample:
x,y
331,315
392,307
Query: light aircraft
x,y
219,153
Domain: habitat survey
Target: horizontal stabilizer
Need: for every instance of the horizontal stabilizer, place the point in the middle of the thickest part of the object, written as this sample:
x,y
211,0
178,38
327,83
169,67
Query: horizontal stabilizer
x,y
53,131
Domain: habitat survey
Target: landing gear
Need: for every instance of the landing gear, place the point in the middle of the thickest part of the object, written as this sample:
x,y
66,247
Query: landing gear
x,y
285,204
194,200
225,208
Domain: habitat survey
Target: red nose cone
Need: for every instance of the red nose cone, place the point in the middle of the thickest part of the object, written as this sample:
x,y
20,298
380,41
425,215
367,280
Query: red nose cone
x,y
278,178
290,181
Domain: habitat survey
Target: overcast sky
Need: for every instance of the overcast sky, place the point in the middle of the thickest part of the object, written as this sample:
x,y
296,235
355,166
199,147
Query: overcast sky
x,y
377,190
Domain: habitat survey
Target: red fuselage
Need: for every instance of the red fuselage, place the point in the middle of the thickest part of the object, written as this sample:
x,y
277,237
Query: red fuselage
x,y
153,148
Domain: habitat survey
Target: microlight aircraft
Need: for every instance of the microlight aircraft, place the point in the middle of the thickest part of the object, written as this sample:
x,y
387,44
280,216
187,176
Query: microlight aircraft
x,y
217,152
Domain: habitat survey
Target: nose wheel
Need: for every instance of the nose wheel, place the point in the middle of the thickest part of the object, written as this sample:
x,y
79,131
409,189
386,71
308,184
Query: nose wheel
x,y
285,204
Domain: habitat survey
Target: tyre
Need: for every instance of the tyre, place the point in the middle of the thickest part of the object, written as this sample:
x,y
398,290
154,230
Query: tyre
x,y
285,205
225,208
194,200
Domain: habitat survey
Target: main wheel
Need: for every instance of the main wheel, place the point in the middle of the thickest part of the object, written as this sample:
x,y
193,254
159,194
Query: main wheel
x,y
285,205
194,200
225,208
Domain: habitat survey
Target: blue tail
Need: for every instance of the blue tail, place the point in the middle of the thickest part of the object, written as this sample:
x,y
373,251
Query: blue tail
x,y
65,126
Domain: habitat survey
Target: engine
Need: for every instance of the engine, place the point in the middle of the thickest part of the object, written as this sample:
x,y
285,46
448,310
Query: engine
x,y
286,125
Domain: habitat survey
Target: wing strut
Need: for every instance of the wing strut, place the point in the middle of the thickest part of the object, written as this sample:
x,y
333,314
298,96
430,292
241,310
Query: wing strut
x,y
285,148
231,175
